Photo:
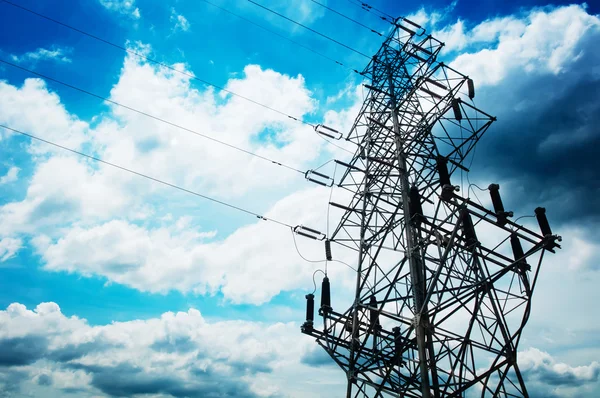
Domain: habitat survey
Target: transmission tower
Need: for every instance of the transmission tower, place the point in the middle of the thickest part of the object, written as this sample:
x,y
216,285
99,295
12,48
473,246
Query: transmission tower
x,y
443,285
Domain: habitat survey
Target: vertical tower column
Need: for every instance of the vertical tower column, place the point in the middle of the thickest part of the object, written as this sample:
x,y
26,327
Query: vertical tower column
x,y
412,246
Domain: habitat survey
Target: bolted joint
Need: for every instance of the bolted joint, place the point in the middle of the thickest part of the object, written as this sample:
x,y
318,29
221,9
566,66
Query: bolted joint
x,y
447,192
307,327
524,268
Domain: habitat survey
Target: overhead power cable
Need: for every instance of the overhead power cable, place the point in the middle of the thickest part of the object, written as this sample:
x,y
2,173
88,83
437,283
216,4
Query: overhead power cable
x,y
367,7
281,36
307,28
146,176
153,117
156,62
346,17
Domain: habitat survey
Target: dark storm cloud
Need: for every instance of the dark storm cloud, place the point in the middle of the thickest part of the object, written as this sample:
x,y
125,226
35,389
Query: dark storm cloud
x,y
546,376
74,351
248,367
544,382
125,380
26,350
44,380
553,378
21,351
546,142
10,381
74,390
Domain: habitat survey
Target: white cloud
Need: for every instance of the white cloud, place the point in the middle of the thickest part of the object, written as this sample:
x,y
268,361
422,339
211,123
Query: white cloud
x,y
9,247
184,353
164,151
11,175
51,120
173,257
71,202
421,17
125,7
98,192
534,360
252,265
257,261
42,54
498,29
541,42
179,21
62,191
432,18
547,375
179,351
134,141
453,37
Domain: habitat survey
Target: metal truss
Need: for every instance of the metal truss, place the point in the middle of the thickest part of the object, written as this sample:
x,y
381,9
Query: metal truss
x,y
444,285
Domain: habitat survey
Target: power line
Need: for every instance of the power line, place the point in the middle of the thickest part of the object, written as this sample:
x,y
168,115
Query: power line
x,y
367,7
146,176
347,17
308,28
175,70
385,16
154,61
281,36
153,117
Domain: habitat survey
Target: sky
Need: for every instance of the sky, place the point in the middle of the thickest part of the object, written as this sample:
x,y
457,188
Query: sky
x,y
113,285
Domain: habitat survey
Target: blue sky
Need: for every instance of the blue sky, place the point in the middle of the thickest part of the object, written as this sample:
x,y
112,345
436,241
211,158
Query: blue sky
x,y
98,261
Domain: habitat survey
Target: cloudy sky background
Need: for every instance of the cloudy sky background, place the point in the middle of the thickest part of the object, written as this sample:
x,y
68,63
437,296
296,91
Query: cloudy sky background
x,y
112,285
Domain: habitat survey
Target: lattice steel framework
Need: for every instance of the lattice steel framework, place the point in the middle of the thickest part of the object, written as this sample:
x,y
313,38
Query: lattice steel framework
x,y
444,285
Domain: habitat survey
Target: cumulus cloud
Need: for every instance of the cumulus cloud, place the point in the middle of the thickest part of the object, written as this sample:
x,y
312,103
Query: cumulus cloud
x,y
91,203
453,37
178,354
54,200
262,252
536,363
124,7
70,203
431,18
52,121
134,141
168,152
549,377
536,72
162,151
542,42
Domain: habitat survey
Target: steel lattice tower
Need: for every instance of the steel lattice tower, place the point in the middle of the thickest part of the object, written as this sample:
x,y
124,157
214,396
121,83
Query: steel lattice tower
x,y
444,285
